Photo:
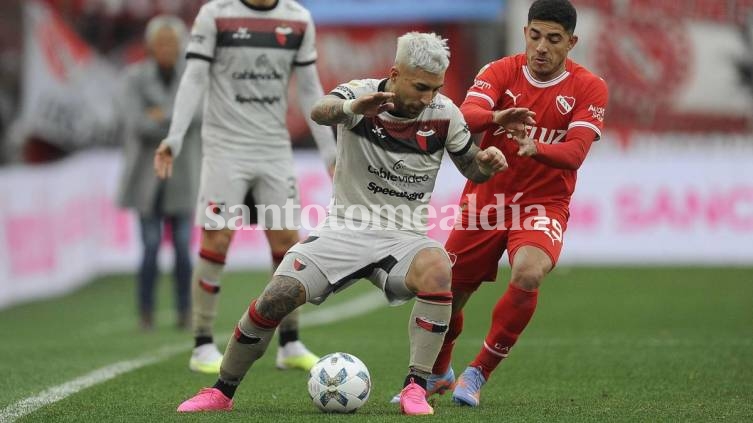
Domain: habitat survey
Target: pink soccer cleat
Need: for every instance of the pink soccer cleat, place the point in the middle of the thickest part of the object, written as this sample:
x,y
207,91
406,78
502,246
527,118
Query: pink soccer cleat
x,y
208,399
413,400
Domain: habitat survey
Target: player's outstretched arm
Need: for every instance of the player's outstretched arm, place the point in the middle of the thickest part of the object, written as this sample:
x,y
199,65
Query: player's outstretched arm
x,y
190,92
332,110
479,165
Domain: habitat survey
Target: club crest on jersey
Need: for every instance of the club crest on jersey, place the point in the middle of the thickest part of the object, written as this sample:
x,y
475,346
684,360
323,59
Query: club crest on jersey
x,y
422,137
281,34
298,264
565,104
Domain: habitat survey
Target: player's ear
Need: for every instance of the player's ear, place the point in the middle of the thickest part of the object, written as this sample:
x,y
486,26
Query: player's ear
x,y
394,73
573,42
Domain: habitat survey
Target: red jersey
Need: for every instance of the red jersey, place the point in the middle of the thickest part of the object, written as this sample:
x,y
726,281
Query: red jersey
x,y
575,99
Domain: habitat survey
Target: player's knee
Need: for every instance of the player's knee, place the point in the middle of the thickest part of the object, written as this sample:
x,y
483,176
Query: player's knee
x,y
528,277
434,275
281,296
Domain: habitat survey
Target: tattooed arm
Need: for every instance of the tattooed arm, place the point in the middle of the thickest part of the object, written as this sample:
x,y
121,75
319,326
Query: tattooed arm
x,y
333,110
479,165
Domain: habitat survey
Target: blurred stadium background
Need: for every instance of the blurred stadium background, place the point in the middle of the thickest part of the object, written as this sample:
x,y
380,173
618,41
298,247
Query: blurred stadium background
x,y
656,274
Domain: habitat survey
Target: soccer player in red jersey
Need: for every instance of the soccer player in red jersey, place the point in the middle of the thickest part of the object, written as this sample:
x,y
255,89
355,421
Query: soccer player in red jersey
x,y
523,210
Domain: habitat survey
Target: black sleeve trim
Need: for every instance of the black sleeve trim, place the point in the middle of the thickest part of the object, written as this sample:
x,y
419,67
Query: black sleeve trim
x,y
464,149
336,94
190,55
310,62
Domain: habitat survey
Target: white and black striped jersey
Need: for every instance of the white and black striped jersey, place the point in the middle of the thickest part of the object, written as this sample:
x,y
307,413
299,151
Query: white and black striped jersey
x,y
387,165
252,53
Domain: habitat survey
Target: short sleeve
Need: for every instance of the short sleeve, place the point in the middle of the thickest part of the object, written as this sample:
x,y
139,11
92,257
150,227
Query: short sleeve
x,y
458,135
351,91
488,85
306,54
591,106
203,35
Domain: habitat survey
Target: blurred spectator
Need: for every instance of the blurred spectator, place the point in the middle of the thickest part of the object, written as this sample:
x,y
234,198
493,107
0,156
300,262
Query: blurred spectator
x,y
151,87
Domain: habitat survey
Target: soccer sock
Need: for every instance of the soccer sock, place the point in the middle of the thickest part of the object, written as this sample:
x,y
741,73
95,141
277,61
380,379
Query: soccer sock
x,y
249,342
205,285
444,359
510,316
288,331
427,327
416,376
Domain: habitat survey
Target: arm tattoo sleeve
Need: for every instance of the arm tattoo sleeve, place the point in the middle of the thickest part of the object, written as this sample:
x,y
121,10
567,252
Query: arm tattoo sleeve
x,y
329,111
467,165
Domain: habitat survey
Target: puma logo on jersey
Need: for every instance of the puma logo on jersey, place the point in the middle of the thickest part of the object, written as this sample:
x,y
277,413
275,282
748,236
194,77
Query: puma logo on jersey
x,y
513,97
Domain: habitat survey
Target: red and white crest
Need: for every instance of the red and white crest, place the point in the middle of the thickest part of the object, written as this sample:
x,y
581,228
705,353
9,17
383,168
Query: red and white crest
x,y
281,34
565,104
298,264
422,137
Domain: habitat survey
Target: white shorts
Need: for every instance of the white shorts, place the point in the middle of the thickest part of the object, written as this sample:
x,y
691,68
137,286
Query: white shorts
x,y
329,261
230,190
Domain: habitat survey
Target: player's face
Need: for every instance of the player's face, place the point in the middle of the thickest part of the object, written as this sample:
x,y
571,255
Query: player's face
x,y
547,46
165,47
414,89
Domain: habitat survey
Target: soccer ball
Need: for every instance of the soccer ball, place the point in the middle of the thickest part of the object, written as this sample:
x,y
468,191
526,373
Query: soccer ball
x,y
339,383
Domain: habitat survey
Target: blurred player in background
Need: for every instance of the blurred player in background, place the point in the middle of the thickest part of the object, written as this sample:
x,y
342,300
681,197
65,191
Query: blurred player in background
x,y
241,54
376,227
568,103
150,89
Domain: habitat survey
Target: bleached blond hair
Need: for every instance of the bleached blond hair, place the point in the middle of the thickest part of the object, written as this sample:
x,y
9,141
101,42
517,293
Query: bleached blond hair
x,y
427,51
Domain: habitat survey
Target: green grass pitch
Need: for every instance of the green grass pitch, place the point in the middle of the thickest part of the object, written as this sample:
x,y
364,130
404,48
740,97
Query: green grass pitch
x,y
606,344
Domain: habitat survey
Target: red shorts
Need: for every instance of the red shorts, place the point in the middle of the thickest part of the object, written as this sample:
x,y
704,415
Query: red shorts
x,y
477,251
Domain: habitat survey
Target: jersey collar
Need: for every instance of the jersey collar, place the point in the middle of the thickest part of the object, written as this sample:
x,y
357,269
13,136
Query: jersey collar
x,y
539,84
259,8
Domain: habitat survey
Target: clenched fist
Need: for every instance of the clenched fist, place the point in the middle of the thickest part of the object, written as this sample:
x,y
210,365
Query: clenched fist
x,y
491,161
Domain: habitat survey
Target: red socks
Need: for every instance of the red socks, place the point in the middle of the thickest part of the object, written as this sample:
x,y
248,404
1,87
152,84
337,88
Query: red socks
x,y
445,354
510,316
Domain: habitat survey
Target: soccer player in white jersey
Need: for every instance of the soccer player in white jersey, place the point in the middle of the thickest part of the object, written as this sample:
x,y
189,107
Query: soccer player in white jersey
x,y
392,134
241,54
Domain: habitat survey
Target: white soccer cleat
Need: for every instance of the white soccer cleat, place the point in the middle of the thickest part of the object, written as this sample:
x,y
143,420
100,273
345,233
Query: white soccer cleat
x,y
206,359
295,355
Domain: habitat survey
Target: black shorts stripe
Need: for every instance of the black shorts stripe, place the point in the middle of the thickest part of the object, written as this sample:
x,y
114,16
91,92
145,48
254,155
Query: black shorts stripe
x,y
190,55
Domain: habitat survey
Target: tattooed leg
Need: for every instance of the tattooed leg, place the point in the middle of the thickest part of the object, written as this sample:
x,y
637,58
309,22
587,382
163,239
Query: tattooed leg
x,y
283,295
256,327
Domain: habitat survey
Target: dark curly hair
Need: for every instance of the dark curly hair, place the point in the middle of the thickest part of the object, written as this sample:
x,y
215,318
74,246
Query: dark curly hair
x,y
559,11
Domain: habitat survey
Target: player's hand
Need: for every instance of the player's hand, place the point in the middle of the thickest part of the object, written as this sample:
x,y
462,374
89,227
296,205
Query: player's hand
x,y
491,161
526,146
163,162
373,104
514,118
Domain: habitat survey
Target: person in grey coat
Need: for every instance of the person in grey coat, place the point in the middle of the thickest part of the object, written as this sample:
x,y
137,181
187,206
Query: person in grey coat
x,y
151,86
